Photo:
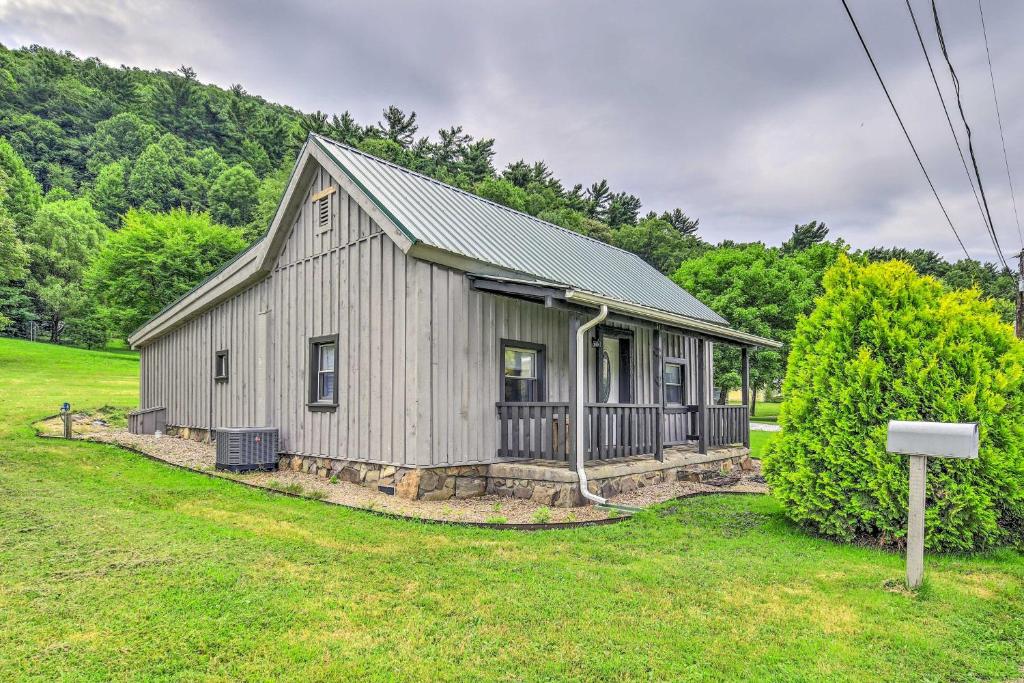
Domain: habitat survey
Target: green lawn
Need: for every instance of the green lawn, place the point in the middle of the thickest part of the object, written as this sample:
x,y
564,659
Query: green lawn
x,y
759,442
113,566
766,412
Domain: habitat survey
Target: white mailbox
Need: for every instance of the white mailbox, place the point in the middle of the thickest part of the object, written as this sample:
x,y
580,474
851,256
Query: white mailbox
x,y
920,441
934,439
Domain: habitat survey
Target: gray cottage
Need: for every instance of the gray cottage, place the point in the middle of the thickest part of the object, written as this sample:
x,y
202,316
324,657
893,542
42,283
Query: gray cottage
x,y
404,334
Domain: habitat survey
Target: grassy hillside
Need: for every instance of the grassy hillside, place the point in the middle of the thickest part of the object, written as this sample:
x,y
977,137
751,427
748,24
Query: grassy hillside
x,y
117,567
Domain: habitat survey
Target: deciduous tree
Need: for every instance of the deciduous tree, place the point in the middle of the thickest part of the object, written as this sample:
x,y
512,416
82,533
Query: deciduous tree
x,y
153,260
234,196
761,290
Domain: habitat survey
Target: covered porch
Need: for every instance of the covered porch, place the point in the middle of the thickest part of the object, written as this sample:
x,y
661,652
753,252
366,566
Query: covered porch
x,y
543,430
646,386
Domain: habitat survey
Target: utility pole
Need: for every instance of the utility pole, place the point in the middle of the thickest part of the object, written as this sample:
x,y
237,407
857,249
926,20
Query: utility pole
x,y
1020,295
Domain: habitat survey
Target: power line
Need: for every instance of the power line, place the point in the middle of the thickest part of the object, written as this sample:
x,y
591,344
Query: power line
x,y
945,109
999,120
906,134
970,140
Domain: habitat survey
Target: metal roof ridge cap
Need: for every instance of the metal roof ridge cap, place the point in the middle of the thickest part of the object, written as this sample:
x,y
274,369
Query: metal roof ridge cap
x,y
380,205
477,197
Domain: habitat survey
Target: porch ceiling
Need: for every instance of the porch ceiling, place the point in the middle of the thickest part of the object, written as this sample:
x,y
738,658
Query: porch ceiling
x,y
548,292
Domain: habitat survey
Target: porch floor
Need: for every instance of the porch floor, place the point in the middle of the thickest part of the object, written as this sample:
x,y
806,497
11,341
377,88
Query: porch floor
x,y
559,471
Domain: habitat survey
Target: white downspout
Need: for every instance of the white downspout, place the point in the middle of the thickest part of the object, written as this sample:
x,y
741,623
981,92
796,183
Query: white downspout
x,y
581,402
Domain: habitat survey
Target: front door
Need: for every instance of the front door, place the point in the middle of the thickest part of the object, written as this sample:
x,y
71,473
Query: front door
x,y
614,387
613,369
609,371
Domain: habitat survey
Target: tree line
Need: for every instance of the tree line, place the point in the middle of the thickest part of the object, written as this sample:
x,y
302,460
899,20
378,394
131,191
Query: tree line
x,y
121,188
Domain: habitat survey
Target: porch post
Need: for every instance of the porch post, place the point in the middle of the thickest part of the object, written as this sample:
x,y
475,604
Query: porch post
x,y
659,395
570,418
745,360
702,396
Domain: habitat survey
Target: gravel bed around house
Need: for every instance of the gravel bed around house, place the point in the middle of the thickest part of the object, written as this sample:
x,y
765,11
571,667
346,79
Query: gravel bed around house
x,y
491,508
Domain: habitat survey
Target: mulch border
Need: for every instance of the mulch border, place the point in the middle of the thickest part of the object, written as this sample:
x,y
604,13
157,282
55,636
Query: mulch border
x,y
524,526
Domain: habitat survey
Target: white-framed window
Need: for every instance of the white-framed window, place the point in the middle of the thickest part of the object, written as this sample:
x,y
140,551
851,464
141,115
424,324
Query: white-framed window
x,y
674,394
323,372
522,371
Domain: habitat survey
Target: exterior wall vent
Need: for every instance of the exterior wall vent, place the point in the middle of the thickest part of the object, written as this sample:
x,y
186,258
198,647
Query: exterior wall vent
x,y
324,213
322,205
241,449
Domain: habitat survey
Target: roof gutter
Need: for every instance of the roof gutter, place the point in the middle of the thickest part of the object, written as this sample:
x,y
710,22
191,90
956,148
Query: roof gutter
x,y
682,322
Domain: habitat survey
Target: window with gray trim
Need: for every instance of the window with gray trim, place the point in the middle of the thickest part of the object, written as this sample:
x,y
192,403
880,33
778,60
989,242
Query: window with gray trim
x,y
323,372
220,366
522,376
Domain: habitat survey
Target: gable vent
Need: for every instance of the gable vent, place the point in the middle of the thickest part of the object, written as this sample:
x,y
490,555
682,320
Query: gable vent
x,y
324,213
322,204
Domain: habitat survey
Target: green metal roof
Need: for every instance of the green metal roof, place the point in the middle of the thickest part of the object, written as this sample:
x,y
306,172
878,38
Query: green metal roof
x,y
448,218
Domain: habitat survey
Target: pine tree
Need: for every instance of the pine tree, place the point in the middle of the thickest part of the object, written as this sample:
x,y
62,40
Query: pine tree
x,y
681,222
398,127
598,196
805,236
623,209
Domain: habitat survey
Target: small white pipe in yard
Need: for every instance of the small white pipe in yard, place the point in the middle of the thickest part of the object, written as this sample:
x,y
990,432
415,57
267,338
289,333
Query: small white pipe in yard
x,y
581,403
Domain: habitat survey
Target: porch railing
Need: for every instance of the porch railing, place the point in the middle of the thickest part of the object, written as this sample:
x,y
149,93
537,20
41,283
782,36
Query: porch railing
x,y
540,430
616,430
727,425
533,430
680,424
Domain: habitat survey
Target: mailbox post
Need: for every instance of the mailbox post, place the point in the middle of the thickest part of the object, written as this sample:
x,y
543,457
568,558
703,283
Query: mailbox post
x,y
65,414
921,440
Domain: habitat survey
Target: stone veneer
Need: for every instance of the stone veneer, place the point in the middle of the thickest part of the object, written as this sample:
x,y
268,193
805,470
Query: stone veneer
x,y
540,482
615,479
435,483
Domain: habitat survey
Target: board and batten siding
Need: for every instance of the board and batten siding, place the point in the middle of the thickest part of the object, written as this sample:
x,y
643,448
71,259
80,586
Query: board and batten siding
x,y
464,347
418,348
177,369
176,372
235,327
685,347
418,358
354,281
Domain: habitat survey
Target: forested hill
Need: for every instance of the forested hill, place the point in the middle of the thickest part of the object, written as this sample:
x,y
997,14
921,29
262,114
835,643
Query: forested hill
x,y
121,188
88,128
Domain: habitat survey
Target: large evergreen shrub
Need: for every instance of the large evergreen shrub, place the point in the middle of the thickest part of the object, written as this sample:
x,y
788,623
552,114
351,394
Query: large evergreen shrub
x,y
884,343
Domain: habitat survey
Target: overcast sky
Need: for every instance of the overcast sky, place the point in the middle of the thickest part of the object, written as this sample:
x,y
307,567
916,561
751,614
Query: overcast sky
x,y
751,116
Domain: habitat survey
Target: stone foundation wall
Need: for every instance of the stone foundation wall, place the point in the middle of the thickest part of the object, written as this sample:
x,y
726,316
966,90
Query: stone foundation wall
x,y
469,481
566,493
193,433
697,472
436,483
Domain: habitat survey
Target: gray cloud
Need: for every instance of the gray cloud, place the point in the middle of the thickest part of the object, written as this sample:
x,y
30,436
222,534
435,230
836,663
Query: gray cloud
x,y
751,115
